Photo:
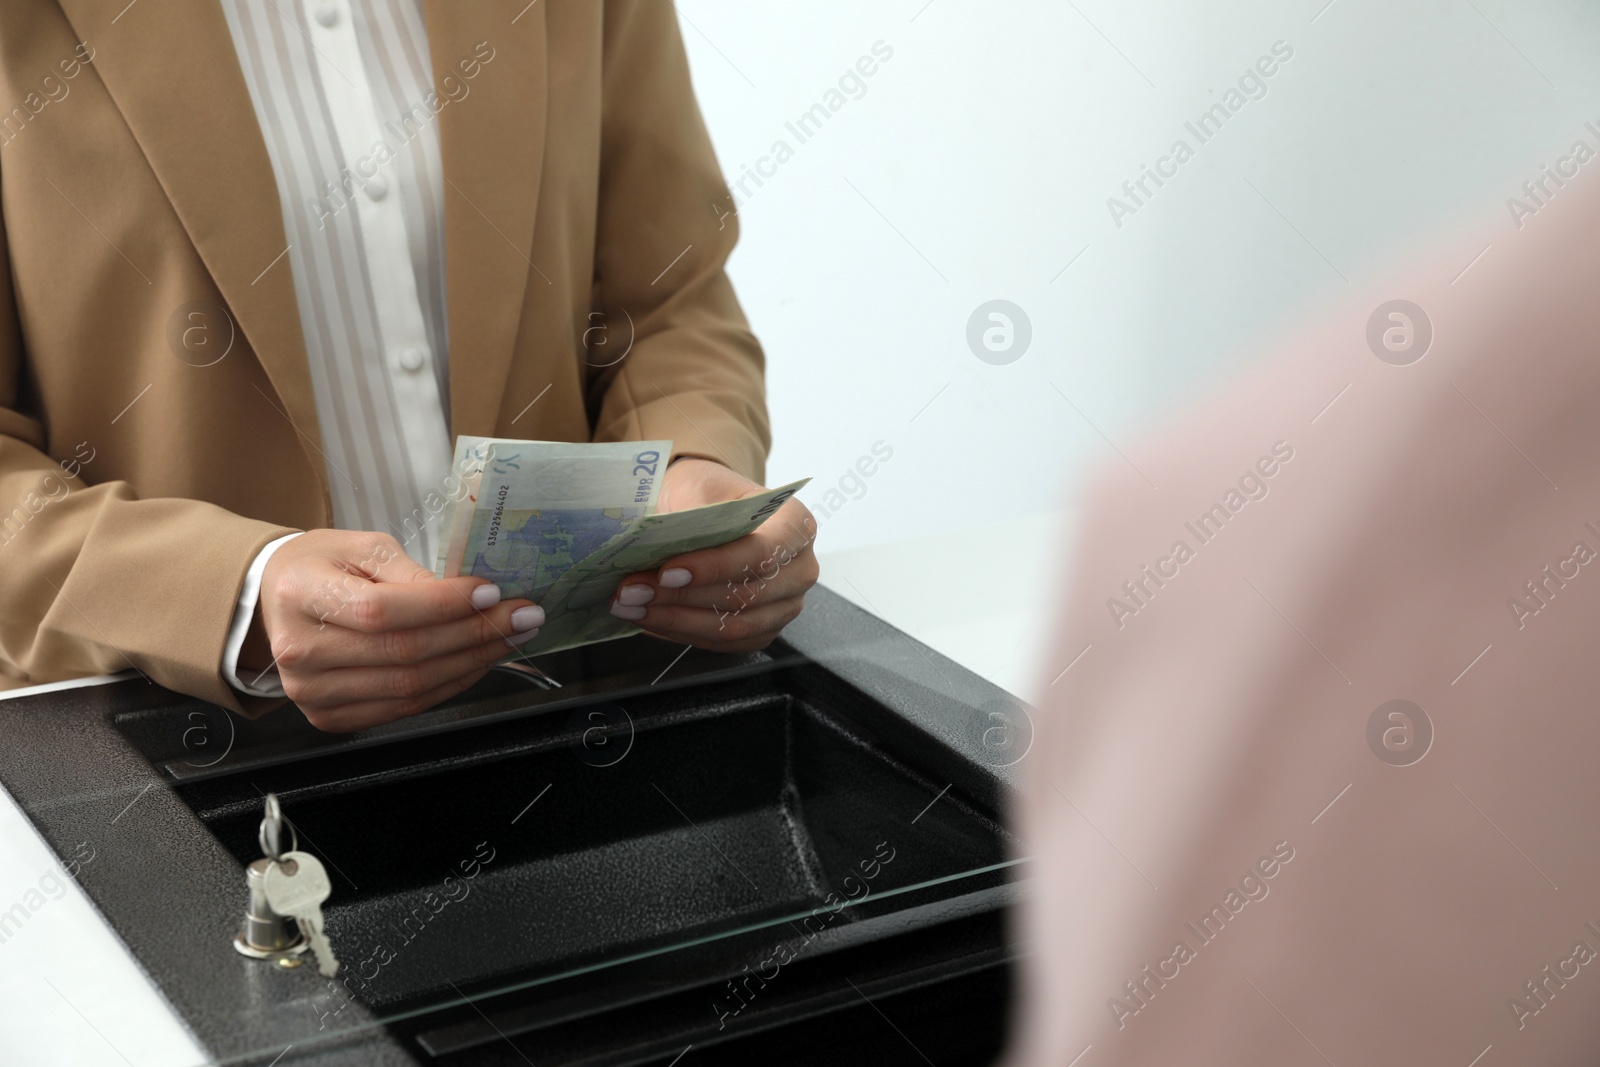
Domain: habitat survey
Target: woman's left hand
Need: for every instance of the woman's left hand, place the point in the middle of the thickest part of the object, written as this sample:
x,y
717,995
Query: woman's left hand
x,y
732,598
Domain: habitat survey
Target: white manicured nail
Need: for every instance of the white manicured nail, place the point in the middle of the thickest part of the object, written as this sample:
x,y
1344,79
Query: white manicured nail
x,y
676,577
623,611
634,596
528,618
485,596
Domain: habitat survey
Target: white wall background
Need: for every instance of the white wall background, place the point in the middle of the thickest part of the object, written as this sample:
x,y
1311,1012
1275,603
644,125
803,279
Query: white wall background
x,y
977,165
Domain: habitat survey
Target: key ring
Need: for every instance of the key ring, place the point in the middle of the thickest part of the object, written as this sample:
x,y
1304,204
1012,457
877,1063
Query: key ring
x,y
271,835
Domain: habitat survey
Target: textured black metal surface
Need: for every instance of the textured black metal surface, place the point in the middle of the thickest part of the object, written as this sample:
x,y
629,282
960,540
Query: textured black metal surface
x,y
933,965
165,884
954,722
793,775
186,743
737,803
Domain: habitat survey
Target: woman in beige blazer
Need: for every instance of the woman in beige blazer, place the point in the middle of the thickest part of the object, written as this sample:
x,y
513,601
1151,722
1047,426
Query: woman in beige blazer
x,y
136,486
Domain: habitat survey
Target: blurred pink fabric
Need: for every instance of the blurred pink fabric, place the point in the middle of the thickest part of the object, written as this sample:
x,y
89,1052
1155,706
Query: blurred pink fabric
x,y
1231,863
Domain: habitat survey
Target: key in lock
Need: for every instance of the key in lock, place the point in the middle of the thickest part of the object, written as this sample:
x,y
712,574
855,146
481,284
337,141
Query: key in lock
x,y
267,935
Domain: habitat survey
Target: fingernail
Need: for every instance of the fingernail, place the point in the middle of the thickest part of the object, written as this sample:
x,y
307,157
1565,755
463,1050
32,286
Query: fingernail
x,y
485,596
676,577
624,611
518,640
528,618
634,595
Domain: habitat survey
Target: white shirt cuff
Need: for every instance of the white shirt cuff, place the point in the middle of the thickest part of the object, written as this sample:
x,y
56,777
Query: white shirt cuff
x,y
265,684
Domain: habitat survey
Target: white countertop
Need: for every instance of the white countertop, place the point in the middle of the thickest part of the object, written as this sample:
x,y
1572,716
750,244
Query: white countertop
x,y
70,992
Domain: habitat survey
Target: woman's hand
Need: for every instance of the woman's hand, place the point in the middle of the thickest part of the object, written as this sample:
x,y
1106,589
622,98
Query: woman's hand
x,y
361,635
733,598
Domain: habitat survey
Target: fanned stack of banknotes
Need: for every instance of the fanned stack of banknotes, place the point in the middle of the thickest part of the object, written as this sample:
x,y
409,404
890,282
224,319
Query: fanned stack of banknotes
x,y
562,524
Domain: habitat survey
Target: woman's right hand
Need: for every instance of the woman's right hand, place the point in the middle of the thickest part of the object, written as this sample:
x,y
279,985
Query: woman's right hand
x,y
362,635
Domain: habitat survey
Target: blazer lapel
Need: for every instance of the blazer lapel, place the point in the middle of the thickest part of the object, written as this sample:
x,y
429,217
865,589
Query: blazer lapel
x,y
211,159
492,143
171,68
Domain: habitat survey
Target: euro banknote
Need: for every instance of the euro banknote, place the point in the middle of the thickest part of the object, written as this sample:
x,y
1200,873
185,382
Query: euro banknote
x,y
578,605
562,523
466,469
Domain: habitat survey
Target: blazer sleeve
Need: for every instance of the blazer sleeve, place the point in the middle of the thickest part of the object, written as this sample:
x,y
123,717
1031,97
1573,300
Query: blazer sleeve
x,y
666,226
95,580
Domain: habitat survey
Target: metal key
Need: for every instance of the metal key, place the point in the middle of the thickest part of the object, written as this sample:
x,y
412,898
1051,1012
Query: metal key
x,y
296,884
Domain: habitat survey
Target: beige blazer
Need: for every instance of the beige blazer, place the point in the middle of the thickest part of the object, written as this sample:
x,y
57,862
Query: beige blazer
x,y
136,486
